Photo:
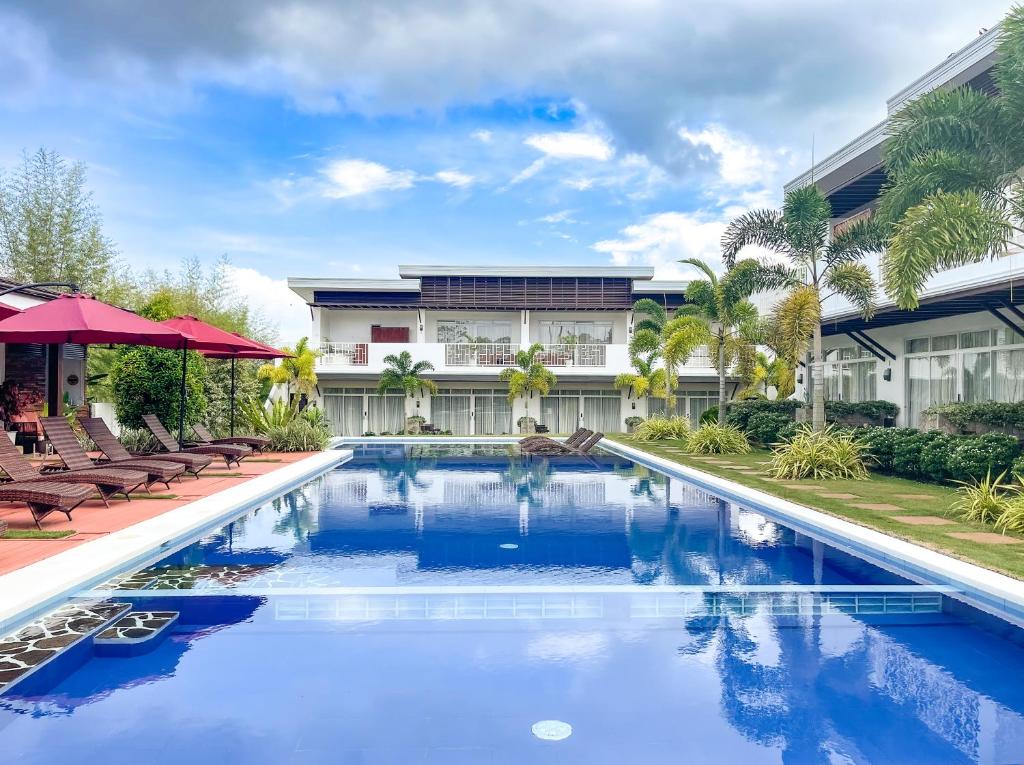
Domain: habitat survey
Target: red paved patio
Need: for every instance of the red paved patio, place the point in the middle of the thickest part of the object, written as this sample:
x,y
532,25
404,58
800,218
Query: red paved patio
x,y
91,519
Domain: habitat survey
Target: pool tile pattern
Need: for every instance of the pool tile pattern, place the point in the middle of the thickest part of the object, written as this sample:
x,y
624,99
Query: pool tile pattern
x,y
187,578
138,625
34,645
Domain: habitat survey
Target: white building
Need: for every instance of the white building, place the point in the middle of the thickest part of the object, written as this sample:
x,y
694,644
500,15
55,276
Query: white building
x,y
966,341
469,322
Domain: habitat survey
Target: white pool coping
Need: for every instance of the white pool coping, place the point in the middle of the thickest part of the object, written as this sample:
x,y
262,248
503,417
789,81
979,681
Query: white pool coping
x,y
28,591
989,590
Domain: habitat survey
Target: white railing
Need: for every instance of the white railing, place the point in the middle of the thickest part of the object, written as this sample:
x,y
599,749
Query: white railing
x,y
480,354
344,354
574,355
699,358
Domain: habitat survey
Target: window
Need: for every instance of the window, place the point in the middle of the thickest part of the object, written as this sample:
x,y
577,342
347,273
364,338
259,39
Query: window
x,y
473,331
917,345
583,332
851,374
944,343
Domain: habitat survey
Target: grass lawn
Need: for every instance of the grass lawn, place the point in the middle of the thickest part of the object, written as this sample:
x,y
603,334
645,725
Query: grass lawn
x,y
35,534
931,503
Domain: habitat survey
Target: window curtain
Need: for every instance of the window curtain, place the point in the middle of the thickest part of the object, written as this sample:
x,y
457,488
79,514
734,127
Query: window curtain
x,y
493,414
345,414
603,413
1010,375
451,413
561,414
917,389
386,413
977,377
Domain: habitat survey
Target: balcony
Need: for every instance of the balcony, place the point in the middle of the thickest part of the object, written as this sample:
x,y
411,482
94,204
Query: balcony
x,y
567,360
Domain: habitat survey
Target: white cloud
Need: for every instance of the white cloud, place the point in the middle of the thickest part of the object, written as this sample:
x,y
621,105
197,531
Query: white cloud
x,y
454,178
274,302
358,177
483,136
562,216
580,184
569,145
740,163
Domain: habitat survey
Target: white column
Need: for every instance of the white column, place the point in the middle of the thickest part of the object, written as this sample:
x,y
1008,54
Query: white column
x,y
421,325
315,332
524,328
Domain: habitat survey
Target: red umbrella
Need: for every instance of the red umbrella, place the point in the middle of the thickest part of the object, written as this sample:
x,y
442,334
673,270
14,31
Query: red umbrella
x,y
7,311
217,343
77,318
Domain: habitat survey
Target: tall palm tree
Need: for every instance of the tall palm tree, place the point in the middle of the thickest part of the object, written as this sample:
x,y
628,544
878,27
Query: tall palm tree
x,y
644,352
296,372
956,189
649,314
400,373
819,267
529,375
772,373
730,317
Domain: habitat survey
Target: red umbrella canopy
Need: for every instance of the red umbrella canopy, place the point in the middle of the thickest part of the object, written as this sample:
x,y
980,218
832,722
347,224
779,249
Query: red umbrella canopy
x,y
8,311
218,343
78,318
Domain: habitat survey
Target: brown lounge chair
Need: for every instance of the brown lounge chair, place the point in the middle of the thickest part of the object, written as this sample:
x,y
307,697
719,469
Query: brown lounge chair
x,y
65,443
256,443
231,454
108,444
556,449
108,481
531,443
45,497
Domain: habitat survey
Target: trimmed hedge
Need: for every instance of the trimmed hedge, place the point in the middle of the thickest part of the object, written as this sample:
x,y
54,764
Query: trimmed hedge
x,y
995,413
740,412
935,456
770,427
873,410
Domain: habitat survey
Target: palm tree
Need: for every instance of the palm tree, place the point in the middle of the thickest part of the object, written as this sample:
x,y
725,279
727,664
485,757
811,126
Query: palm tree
x,y
818,267
649,314
296,372
528,375
956,189
644,352
772,373
400,373
730,317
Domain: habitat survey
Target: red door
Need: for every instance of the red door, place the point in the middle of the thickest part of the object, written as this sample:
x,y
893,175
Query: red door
x,y
379,334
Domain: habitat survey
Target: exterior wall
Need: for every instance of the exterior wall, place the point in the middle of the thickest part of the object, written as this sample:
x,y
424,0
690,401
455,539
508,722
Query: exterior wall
x,y
619,319
353,326
513,317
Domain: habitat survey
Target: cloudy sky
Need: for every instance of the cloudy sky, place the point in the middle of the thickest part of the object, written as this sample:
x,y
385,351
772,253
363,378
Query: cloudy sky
x,y
315,138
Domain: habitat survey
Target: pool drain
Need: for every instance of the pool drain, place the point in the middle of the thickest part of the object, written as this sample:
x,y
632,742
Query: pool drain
x,y
509,546
552,730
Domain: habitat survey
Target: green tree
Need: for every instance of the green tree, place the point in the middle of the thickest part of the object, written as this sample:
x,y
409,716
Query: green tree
x,y
818,267
730,317
644,352
147,380
649,314
956,191
400,373
51,229
528,375
297,373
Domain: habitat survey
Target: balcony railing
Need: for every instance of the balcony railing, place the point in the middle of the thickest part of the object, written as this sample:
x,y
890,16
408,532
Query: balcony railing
x,y
344,354
574,355
480,354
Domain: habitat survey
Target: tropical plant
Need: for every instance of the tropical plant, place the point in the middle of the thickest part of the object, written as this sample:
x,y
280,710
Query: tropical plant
x,y
297,372
529,375
400,373
731,320
713,438
680,337
770,427
828,454
955,193
983,500
644,380
650,315
1012,516
819,266
261,419
776,372
661,429
299,435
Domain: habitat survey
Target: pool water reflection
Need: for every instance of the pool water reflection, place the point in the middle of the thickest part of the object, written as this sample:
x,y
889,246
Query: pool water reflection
x,y
420,605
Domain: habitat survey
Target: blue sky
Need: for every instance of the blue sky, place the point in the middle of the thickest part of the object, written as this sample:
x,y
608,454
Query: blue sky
x,y
314,138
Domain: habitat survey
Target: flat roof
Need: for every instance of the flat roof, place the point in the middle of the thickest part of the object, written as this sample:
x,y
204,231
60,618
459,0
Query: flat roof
x,y
304,286
619,272
661,286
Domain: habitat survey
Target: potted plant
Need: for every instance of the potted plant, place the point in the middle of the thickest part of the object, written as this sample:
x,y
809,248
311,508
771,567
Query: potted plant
x,y
632,422
527,425
414,424
12,400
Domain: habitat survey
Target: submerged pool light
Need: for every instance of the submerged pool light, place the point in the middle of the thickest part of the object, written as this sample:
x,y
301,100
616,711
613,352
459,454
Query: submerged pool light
x,y
552,730
509,546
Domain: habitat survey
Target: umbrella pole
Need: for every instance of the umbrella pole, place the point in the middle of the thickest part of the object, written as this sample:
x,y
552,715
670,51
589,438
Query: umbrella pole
x,y
232,396
181,395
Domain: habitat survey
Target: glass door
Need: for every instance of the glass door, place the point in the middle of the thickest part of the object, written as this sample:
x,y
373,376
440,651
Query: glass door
x,y
344,411
449,410
602,411
560,411
492,413
386,413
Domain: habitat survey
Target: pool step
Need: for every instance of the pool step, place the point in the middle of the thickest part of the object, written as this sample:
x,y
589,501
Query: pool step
x,y
31,651
135,633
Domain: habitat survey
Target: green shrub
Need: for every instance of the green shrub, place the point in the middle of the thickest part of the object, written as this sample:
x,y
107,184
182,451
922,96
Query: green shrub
x,y
1012,516
709,415
827,454
983,501
873,410
997,414
299,435
881,444
138,441
661,429
739,412
906,458
934,458
770,427
977,456
147,380
712,438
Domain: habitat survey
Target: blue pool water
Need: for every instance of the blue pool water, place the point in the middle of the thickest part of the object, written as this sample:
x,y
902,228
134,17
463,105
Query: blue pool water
x,y
419,605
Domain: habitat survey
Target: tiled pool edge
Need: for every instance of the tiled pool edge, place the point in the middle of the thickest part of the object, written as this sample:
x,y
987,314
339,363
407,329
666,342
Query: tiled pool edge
x,y
28,591
986,589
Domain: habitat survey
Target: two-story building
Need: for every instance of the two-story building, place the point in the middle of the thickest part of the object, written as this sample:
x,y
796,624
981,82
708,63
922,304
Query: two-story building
x,y
966,341
469,322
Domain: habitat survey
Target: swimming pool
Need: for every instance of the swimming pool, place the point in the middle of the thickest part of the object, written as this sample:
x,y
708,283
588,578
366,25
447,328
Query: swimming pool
x,y
469,605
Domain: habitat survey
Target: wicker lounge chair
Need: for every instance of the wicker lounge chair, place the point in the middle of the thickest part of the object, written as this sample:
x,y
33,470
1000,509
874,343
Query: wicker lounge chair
x,y
98,431
45,497
232,454
531,443
65,442
108,481
556,449
256,443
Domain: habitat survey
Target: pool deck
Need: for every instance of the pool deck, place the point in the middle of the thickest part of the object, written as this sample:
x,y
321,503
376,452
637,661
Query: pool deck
x,y
127,534
91,520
